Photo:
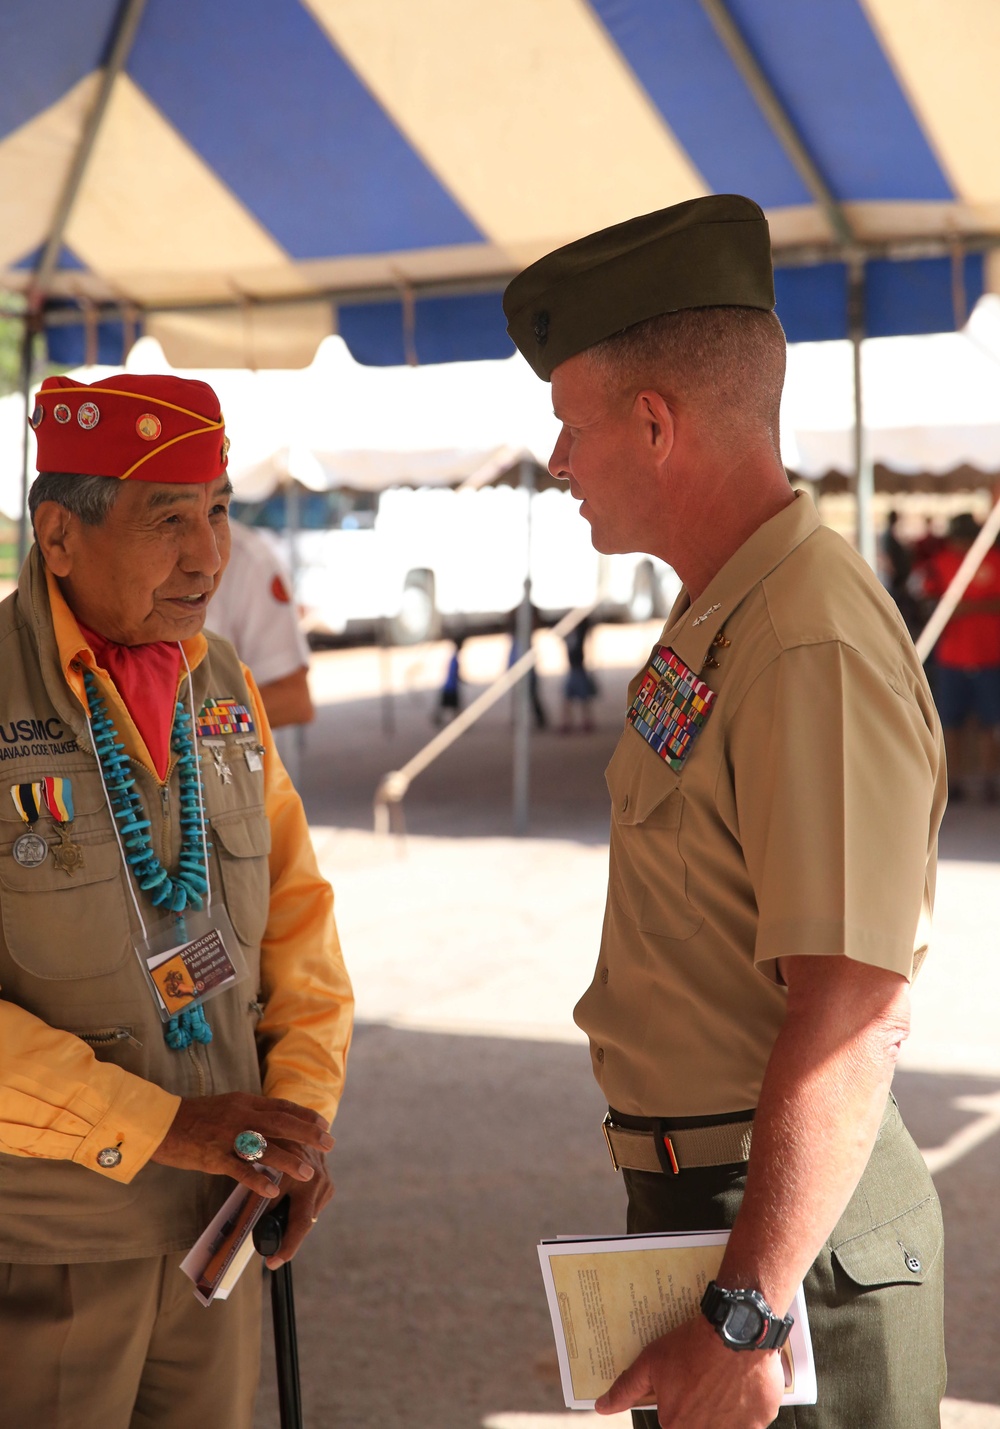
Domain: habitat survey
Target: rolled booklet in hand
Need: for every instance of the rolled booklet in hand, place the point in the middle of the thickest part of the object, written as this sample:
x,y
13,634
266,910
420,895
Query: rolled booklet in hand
x,y
224,1249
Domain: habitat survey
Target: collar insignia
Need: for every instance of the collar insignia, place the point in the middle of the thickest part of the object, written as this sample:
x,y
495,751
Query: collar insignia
x,y
700,619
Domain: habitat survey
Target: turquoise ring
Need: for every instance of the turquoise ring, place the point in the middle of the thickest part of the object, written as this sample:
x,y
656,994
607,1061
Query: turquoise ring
x,y
249,1146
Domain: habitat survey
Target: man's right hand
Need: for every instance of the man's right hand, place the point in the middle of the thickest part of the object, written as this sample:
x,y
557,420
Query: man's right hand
x,y
202,1133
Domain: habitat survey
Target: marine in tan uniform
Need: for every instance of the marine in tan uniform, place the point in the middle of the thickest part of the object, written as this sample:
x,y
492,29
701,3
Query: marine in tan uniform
x,y
776,795
120,1127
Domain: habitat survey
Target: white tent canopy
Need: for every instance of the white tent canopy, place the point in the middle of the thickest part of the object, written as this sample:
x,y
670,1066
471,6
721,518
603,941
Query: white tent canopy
x,y
338,423
931,404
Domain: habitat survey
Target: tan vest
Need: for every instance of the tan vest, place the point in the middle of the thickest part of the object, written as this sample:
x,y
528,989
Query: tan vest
x,y
66,953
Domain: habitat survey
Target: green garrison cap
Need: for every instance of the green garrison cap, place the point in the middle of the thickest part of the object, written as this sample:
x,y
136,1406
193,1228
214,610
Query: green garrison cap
x,y
706,253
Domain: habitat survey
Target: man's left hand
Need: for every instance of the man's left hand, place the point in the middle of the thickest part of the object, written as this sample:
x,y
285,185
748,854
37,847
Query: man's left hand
x,y
306,1200
696,1382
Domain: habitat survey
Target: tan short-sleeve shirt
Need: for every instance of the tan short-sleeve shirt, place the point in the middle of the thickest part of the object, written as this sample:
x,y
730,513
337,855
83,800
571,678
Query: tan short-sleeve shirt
x,y
804,821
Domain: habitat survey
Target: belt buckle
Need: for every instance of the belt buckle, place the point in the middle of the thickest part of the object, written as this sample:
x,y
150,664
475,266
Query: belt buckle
x,y
611,1150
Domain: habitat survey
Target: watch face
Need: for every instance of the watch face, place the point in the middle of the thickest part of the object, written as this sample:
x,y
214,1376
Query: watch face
x,y
744,1323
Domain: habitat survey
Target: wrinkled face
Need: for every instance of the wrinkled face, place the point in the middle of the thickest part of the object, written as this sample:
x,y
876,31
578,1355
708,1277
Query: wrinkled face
x,y
602,453
149,571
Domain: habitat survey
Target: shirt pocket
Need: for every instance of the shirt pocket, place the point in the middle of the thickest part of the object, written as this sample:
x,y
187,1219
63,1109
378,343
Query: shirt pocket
x,y
61,926
243,843
648,875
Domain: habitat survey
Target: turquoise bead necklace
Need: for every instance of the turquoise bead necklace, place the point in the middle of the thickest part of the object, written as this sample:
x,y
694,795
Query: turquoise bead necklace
x,y
189,885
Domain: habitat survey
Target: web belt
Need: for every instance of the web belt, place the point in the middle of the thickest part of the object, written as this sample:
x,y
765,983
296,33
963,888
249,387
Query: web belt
x,y
658,1147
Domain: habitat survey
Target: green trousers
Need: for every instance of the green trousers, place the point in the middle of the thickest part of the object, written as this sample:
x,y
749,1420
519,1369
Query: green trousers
x,y
875,1293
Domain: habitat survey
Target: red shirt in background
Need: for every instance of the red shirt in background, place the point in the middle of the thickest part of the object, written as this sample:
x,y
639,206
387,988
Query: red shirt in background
x,y
968,642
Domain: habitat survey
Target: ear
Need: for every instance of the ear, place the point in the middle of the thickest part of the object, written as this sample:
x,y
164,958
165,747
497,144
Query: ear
x,y
658,425
54,535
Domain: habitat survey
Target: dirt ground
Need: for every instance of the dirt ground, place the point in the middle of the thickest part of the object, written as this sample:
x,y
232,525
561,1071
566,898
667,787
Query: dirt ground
x,y
470,1127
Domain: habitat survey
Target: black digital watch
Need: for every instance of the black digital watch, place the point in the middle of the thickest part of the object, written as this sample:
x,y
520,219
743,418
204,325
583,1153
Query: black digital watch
x,y
743,1319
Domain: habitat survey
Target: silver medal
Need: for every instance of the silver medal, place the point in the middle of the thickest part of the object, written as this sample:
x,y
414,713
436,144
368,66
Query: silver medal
x,y
218,751
30,850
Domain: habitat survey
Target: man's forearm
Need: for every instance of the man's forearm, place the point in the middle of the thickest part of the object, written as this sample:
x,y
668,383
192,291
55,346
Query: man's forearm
x,y
820,1107
288,700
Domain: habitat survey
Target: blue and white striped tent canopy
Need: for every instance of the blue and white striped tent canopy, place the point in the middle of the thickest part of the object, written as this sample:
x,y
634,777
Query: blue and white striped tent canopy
x,y
242,177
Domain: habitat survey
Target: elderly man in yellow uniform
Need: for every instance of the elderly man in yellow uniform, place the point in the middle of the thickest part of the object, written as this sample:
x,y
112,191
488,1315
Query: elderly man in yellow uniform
x,y
174,1009
776,795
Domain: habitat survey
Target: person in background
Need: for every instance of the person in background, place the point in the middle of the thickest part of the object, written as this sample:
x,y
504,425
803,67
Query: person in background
x,y
895,569
255,610
580,688
450,696
967,658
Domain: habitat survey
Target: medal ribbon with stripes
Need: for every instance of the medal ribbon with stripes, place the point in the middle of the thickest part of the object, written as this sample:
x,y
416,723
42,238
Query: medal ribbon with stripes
x,y
670,707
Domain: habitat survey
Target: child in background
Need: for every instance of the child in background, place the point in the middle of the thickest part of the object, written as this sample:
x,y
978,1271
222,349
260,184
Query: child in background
x,y
580,688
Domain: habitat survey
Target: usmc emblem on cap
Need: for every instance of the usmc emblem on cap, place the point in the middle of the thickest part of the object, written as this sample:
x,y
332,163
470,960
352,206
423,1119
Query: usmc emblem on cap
x,y
541,328
89,415
148,427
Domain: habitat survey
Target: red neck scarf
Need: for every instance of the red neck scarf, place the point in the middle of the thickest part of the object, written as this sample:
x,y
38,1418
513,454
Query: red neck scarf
x,y
146,678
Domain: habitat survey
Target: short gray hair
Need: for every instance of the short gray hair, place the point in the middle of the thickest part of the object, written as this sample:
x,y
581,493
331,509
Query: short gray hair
x,y
88,497
729,360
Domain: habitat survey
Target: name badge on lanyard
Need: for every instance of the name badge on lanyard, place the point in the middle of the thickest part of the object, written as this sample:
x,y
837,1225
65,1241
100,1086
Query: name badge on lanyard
x,y
670,707
189,958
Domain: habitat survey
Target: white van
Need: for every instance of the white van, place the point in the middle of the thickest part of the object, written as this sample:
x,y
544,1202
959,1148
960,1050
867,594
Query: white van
x,y
414,561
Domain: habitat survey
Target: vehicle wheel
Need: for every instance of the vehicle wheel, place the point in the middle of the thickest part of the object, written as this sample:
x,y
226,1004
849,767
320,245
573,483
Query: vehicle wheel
x,y
418,617
643,604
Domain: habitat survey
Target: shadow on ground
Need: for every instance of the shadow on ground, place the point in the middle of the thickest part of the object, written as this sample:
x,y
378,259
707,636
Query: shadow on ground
x,y
419,1297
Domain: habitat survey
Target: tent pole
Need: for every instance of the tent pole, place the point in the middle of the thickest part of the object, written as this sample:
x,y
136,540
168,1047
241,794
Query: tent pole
x,y
27,368
522,690
864,472
294,745
119,48
778,118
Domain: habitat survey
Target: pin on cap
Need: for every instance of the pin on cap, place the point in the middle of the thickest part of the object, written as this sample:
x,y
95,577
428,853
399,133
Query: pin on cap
x,y
154,427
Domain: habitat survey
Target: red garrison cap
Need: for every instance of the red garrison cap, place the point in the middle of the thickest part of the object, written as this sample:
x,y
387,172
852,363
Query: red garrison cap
x,y
167,429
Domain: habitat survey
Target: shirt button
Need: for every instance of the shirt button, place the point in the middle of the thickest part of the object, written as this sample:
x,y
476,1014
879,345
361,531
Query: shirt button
x,y
604,974
913,1264
600,1054
109,1157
